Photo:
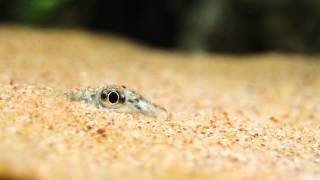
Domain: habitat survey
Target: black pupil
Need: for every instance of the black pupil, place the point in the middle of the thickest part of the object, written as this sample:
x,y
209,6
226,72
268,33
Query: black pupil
x,y
113,97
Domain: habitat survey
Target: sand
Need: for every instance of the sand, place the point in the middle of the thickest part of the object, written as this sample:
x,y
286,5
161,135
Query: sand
x,y
242,117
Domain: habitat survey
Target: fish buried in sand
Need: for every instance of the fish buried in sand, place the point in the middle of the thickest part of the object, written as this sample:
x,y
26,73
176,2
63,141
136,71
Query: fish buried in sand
x,y
118,99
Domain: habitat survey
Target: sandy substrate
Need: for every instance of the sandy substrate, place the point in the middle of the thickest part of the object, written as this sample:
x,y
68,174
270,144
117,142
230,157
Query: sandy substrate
x,y
235,117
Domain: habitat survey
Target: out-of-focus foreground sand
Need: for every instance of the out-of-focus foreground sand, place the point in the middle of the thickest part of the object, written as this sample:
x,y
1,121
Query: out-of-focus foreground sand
x,y
230,117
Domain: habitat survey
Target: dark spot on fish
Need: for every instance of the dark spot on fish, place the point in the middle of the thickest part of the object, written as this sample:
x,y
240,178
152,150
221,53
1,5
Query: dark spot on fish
x,y
104,95
93,96
122,98
130,101
138,107
133,100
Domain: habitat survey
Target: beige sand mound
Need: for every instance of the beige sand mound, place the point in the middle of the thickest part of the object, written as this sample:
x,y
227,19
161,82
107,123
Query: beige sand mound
x,y
248,117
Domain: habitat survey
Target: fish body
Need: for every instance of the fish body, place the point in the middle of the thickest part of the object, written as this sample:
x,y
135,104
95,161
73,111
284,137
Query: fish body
x,y
118,99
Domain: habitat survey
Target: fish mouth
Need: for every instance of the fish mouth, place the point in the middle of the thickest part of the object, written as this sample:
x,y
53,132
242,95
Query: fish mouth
x,y
147,108
137,103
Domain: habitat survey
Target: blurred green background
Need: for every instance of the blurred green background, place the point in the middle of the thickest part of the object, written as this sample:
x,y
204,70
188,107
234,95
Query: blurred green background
x,y
219,26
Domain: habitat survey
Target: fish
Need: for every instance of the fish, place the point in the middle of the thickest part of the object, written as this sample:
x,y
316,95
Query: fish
x,y
119,99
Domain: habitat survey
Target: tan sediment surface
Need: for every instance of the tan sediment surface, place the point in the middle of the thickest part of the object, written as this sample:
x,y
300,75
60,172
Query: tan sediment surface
x,y
230,117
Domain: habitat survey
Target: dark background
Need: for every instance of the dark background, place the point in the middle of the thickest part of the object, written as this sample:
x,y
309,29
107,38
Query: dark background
x,y
219,26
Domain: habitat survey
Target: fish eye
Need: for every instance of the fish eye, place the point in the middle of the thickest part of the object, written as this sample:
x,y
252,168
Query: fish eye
x,y
113,97
110,96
